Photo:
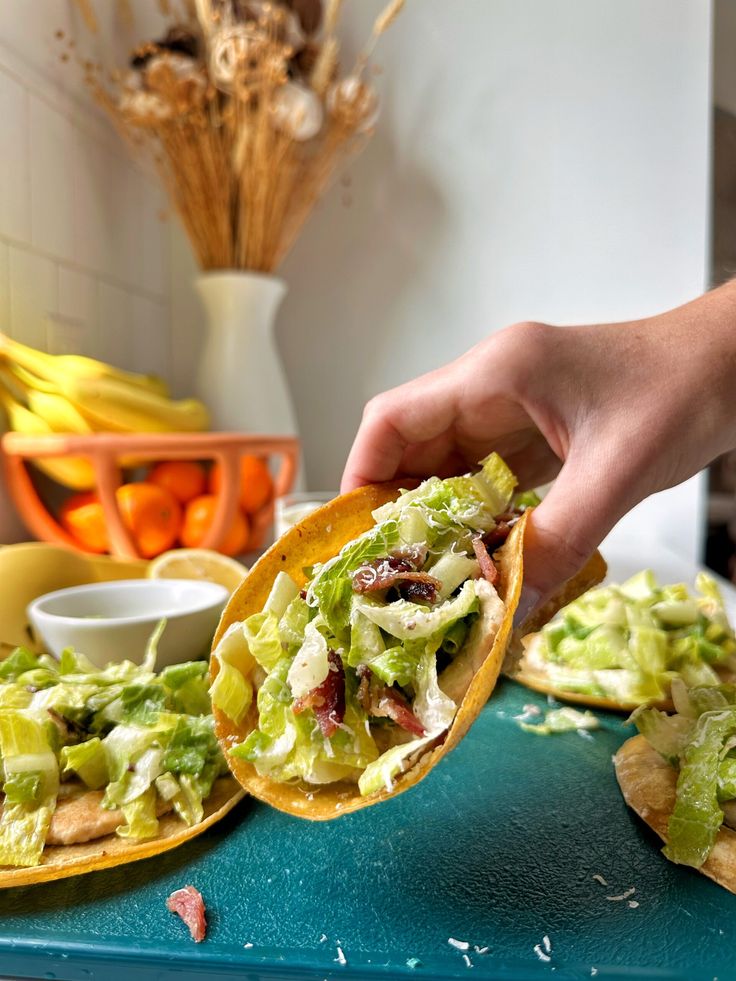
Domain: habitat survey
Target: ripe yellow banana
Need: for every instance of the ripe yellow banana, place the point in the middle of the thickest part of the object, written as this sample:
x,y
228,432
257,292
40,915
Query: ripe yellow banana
x,y
50,367
107,403
74,472
58,412
112,405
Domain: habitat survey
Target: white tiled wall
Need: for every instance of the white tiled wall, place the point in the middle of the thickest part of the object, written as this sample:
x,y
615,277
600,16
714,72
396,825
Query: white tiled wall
x,y
83,249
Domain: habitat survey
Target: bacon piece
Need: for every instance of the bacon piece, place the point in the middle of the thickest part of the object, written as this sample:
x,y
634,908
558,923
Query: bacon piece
x,y
487,568
497,536
327,699
388,703
189,905
403,564
418,590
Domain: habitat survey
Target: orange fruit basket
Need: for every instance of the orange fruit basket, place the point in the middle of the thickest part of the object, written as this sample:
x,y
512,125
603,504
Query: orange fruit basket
x,y
106,451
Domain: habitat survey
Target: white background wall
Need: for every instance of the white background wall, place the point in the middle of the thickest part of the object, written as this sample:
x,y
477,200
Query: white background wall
x,y
535,159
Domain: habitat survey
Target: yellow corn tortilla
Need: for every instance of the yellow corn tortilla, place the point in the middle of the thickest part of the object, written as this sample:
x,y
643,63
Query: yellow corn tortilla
x,y
319,537
648,784
109,851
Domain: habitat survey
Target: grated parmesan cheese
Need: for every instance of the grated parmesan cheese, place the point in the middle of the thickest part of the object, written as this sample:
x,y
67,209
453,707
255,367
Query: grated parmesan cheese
x,y
624,895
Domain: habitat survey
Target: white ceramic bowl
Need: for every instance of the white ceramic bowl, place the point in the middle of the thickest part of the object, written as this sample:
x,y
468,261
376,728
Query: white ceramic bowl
x,y
112,621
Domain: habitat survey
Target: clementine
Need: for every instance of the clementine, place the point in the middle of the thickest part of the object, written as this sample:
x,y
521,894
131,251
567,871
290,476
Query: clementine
x,y
81,515
152,515
198,519
184,478
256,483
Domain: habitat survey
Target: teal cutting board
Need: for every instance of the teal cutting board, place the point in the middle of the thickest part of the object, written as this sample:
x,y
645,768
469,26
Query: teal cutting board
x,y
497,848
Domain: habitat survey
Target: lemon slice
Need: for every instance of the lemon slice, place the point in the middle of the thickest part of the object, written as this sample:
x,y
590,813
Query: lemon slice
x,y
198,563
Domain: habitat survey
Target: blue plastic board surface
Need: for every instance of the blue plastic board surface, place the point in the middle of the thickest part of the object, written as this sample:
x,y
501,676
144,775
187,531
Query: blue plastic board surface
x,y
497,848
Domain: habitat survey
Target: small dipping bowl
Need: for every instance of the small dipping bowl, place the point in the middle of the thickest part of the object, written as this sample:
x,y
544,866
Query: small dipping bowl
x,y
113,621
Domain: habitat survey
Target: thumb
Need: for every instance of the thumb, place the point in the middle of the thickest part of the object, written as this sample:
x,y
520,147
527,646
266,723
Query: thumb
x,y
585,502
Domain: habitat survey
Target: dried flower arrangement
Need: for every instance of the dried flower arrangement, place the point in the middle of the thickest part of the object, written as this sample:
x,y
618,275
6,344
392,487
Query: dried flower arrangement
x,y
247,114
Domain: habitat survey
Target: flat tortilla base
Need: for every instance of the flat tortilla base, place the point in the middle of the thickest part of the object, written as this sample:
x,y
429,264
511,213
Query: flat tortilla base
x,y
540,682
648,784
318,538
61,861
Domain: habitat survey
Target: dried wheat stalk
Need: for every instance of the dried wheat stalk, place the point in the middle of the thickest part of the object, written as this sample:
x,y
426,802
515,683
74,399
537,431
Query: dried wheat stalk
x,y
225,146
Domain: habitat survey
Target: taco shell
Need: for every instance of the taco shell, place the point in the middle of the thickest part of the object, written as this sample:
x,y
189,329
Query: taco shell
x,y
648,784
318,538
61,861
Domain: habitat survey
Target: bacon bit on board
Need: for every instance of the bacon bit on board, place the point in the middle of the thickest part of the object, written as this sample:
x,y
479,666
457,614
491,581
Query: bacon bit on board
x,y
189,905
389,704
487,568
327,699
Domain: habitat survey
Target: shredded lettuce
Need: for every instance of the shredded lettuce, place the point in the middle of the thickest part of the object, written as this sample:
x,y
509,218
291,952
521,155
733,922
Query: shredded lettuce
x,y
30,804
310,666
88,761
382,772
432,707
331,589
648,634
231,692
140,817
470,502
697,816
122,728
261,631
410,621
286,746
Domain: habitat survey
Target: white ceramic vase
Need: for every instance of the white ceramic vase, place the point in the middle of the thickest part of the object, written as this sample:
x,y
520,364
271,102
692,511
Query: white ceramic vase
x,y
240,376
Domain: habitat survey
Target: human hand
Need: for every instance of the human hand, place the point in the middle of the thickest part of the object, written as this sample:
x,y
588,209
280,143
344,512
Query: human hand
x,y
614,411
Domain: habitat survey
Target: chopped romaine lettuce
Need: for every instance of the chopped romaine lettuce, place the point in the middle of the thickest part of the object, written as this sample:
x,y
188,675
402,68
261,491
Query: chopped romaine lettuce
x,y
432,707
88,761
331,589
697,816
410,621
293,623
310,666
381,774
396,666
283,591
470,502
231,692
140,817
25,748
648,634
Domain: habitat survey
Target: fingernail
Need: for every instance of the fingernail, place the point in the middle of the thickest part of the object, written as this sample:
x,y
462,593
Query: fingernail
x,y
528,602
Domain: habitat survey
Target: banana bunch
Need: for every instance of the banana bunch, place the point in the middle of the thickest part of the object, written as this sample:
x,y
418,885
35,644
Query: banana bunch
x,y
68,393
